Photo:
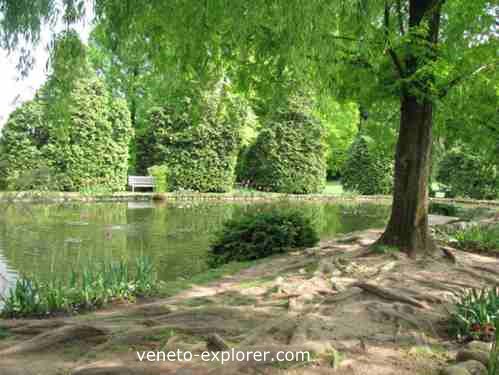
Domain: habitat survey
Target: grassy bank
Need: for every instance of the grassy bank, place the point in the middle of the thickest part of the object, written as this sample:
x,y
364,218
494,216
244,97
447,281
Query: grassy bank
x,y
85,289
332,192
96,286
478,238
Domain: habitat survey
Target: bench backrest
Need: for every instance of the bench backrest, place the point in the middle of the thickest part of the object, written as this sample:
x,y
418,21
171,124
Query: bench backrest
x,y
142,181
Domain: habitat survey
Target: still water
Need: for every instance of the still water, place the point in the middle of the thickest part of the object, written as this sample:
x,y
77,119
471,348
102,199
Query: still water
x,y
48,239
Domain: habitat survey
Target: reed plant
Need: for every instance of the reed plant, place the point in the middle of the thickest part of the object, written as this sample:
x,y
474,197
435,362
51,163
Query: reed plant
x,y
479,238
88,288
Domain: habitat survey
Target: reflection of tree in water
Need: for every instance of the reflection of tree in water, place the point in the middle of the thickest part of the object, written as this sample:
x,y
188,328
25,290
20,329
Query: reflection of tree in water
x,y
177,235
46,239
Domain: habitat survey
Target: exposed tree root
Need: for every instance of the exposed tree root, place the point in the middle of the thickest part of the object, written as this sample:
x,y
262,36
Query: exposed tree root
x,y
390,295
490,280
63,335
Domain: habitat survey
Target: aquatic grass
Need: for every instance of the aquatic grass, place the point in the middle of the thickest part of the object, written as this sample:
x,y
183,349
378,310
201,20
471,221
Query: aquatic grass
x,y
475,315
85,289
479,238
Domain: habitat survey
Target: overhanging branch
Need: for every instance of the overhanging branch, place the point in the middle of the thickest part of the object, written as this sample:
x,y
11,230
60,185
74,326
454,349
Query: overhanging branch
x,y
458,80
391,52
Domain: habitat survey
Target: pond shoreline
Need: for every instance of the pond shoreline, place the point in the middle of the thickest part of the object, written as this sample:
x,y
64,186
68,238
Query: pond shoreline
x,y
59,197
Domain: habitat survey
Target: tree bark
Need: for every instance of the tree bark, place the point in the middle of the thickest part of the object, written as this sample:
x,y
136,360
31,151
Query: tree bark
x,y
408,226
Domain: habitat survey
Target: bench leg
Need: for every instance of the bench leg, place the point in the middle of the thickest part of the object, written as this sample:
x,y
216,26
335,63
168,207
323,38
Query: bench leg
x,y
133,188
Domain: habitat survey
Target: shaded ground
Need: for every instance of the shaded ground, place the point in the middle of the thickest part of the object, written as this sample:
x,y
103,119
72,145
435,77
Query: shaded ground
x,y
359,312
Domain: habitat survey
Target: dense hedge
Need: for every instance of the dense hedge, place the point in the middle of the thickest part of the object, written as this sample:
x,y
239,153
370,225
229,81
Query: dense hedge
x,y
367,171
467,174
197,139
289,155
259,234
88,149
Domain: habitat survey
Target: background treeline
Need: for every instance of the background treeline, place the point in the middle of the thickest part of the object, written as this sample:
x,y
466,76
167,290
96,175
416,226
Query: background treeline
x,y
118,114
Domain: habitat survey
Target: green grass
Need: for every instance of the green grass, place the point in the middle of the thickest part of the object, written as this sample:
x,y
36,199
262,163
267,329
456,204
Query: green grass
x,y
174,287
4,333
385,249
88,288
479,238
333,188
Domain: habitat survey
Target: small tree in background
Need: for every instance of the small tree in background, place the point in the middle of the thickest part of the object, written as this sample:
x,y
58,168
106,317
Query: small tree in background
x,y
197,138
73,128
289,154
367,171
468,174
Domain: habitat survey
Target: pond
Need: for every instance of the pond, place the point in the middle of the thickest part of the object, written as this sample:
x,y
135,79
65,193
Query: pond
x,y
47,239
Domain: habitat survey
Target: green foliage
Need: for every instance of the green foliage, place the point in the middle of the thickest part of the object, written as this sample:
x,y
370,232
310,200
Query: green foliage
x,y
259,234
475,315
83,145
289,154
478,238
366,171
341,122
20,143
445,209
385,249
86,289
198,139
160,174
469,174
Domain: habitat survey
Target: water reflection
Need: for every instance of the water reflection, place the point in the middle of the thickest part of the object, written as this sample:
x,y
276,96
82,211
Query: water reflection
x,y
44,239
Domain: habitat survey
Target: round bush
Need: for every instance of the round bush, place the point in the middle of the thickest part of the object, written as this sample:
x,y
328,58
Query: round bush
x,y
468,174
198,140
259,234
366,171
288,156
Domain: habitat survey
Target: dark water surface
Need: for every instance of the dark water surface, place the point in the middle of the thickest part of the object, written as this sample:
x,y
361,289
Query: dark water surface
x,y
47,239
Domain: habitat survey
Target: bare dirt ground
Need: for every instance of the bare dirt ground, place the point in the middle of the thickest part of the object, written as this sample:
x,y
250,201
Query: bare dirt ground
x,y
359,312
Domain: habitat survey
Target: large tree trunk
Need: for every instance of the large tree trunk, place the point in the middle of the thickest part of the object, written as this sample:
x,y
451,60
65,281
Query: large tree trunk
x,y
408,225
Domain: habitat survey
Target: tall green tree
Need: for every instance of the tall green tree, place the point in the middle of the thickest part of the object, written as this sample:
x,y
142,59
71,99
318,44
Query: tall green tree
x,y
369,51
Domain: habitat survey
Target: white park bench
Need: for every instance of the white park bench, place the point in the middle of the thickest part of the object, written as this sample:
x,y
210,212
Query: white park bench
x,y
140,181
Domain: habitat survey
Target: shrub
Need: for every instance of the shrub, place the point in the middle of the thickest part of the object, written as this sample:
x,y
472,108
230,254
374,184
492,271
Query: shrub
x,y
197,139
445,209
289,154
468,174
260,234
89,148
475,314
366,171
22,138
86,289
160,174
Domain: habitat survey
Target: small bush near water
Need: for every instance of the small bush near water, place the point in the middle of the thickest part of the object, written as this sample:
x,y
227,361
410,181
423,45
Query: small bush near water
x,y
476,314
87,289
262,233
479,238
476,317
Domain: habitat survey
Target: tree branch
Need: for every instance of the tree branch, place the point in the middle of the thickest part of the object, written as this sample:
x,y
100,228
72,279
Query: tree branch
x,y
458,80
390,51
400,17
